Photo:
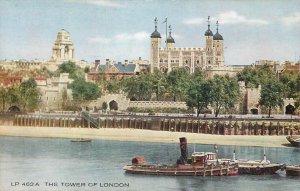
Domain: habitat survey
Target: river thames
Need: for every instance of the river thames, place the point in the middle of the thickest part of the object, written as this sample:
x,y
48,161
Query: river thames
x,y
51,164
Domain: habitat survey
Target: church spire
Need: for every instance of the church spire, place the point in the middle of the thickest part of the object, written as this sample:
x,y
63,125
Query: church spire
x,y
217,26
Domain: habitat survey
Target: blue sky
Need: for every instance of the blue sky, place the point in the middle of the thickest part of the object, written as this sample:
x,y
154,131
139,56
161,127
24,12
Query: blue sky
x,y
120,29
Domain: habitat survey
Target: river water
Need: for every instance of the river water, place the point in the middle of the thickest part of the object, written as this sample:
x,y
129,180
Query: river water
x,y
48,164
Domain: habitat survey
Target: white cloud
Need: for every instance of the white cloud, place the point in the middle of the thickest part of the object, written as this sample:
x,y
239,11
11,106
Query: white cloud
x,y
104,3
232,17
122,37
229,17
291,20
193,21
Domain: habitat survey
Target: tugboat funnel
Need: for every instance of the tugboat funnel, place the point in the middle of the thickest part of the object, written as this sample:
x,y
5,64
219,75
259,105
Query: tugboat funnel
x,y
184,150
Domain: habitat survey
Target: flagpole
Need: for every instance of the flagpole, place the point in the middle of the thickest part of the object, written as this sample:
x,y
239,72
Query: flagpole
x,y
166,21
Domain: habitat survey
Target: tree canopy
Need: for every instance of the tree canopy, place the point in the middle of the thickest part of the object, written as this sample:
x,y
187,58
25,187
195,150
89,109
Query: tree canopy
x,y
82,90
271,95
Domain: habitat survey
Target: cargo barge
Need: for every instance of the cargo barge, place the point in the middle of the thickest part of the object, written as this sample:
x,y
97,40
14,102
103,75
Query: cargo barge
x,y
199,164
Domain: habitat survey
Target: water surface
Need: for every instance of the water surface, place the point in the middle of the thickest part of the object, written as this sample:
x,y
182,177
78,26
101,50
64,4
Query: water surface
x,y
39,160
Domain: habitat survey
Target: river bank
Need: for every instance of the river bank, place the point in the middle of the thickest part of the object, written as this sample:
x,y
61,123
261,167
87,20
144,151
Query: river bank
x,y
143,135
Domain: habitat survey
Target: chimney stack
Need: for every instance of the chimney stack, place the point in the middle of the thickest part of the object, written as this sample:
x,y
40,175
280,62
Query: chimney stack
x,y
107,65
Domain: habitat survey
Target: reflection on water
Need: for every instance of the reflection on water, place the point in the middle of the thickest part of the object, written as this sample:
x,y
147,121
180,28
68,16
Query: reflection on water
x,y
60,160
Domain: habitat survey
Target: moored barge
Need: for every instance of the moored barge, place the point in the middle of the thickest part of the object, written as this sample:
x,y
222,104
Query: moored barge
x,y
198,165
295,141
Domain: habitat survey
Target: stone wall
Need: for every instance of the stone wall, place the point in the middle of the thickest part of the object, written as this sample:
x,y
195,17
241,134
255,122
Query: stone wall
x,y
158,104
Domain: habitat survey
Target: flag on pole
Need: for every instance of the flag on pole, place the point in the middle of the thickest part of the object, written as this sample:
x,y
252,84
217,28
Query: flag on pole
x,y
165,20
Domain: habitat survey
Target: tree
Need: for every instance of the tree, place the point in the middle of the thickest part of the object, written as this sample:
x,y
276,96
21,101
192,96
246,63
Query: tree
x,y
178,81
271,95
249,76
104,106
256,76
86,69
224,92
82,90
113,86
158,83
29,95
3,97
74,71
198,95
138,87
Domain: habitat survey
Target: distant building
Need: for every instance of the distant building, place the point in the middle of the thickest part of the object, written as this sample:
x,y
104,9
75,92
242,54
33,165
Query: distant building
x,y
112,70
291,68
63,49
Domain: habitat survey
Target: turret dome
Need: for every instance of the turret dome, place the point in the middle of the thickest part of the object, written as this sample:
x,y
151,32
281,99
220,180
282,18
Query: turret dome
x,y
217,36
170,40
208,32
155,34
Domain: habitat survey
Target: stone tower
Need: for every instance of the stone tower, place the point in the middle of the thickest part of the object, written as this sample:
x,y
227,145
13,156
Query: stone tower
x,y
154,49
209,45
63,49
218,49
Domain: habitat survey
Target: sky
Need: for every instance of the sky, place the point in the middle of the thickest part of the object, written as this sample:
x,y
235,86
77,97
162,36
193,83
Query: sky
x,y
120,29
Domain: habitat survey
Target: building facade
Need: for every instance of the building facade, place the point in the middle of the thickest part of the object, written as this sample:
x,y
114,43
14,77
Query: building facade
x,y
63,49
170,57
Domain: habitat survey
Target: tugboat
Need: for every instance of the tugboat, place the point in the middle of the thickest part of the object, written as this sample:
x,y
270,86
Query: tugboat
x,y
295,141
200,164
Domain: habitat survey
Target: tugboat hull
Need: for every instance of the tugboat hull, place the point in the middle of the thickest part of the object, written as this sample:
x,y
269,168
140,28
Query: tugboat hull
x,y
181,171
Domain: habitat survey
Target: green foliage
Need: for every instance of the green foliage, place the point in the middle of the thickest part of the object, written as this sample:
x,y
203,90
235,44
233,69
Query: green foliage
x,y
139,87
104,106
256,76
3,97
74,71
113,86
29,95
271,95
224,92
86,70
291,84
158,83
198,95
82,90
178,81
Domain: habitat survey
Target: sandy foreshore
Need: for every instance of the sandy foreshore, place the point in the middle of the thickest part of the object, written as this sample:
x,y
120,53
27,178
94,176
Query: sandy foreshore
x,y
143,135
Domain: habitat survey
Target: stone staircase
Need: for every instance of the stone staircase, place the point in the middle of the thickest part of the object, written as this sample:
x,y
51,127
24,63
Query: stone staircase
x,y
93,122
